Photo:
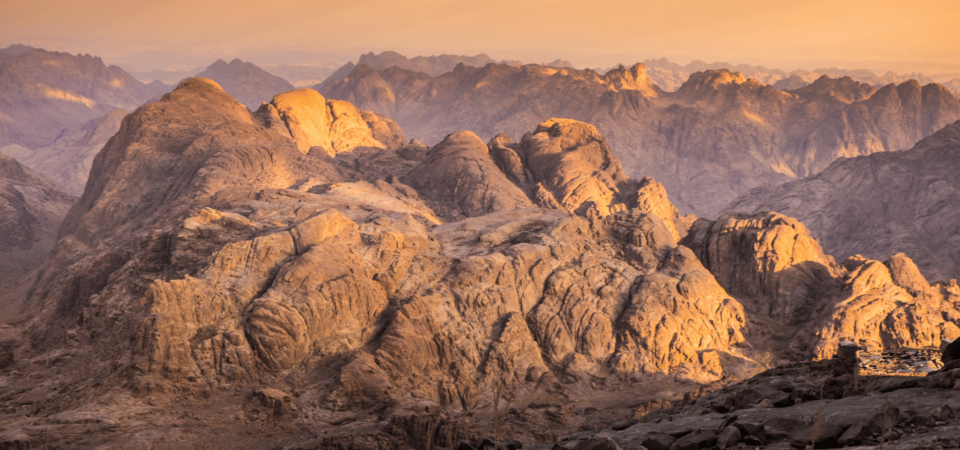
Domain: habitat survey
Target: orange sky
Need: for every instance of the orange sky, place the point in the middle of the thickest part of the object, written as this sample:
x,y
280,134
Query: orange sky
x,y
905,36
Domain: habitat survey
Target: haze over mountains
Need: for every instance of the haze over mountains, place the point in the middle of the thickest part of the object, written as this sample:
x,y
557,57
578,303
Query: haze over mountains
x,y
669,76
247,83
718,136
882,204
42,92
31,209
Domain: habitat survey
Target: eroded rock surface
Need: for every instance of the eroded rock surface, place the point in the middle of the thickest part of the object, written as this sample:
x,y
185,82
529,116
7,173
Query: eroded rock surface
x,y
778,271
882,204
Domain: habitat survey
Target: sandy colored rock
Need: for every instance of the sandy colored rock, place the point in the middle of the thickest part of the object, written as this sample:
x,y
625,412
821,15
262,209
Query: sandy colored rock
x,y
461,177
882,204
768,261
574,163
334,126
772,264
210,257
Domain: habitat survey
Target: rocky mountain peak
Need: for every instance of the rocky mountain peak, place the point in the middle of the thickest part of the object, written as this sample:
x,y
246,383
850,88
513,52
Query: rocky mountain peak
x,y
309,248
632,78
844,89
335,126
572,161
709,80
246,82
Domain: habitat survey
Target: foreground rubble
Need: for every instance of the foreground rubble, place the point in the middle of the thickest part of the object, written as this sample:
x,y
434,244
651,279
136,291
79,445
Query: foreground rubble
x,y
778,409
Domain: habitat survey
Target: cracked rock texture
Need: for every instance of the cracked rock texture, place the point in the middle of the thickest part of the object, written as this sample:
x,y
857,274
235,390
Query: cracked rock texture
x,y
877,205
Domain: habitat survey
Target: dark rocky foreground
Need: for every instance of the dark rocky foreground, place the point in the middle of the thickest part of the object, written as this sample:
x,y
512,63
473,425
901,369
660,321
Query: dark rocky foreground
x,y
790,406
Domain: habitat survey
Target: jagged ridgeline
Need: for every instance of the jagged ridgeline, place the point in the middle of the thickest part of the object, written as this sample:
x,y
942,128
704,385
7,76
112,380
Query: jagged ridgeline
x,y
310,248
715,138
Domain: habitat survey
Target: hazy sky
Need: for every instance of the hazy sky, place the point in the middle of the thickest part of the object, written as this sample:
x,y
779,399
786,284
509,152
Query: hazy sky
x,y
905,36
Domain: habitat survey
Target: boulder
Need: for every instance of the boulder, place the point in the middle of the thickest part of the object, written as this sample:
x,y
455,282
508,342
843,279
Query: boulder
x,y
624,424
873,424
729,437
827,435
696,441
597,443
657,441
276,401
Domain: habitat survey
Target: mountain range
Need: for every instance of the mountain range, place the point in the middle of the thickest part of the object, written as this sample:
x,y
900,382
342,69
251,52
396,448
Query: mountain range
x,y
42,93
228,271
881,204
717,137
669,75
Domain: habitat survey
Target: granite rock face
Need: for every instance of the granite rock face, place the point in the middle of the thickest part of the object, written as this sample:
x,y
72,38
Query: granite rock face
x,y
335,126
881,204
716,137
255,260
772,265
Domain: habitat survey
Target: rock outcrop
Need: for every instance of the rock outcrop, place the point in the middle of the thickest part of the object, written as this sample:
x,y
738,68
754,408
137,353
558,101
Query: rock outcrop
x,y
881,204
245,81
460,176
718,136
249,259
335,126
772,265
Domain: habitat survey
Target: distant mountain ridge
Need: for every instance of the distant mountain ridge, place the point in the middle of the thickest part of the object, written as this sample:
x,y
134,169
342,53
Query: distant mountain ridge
x,y
246,82
669,75
881,204
42,93
715,138
31,209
